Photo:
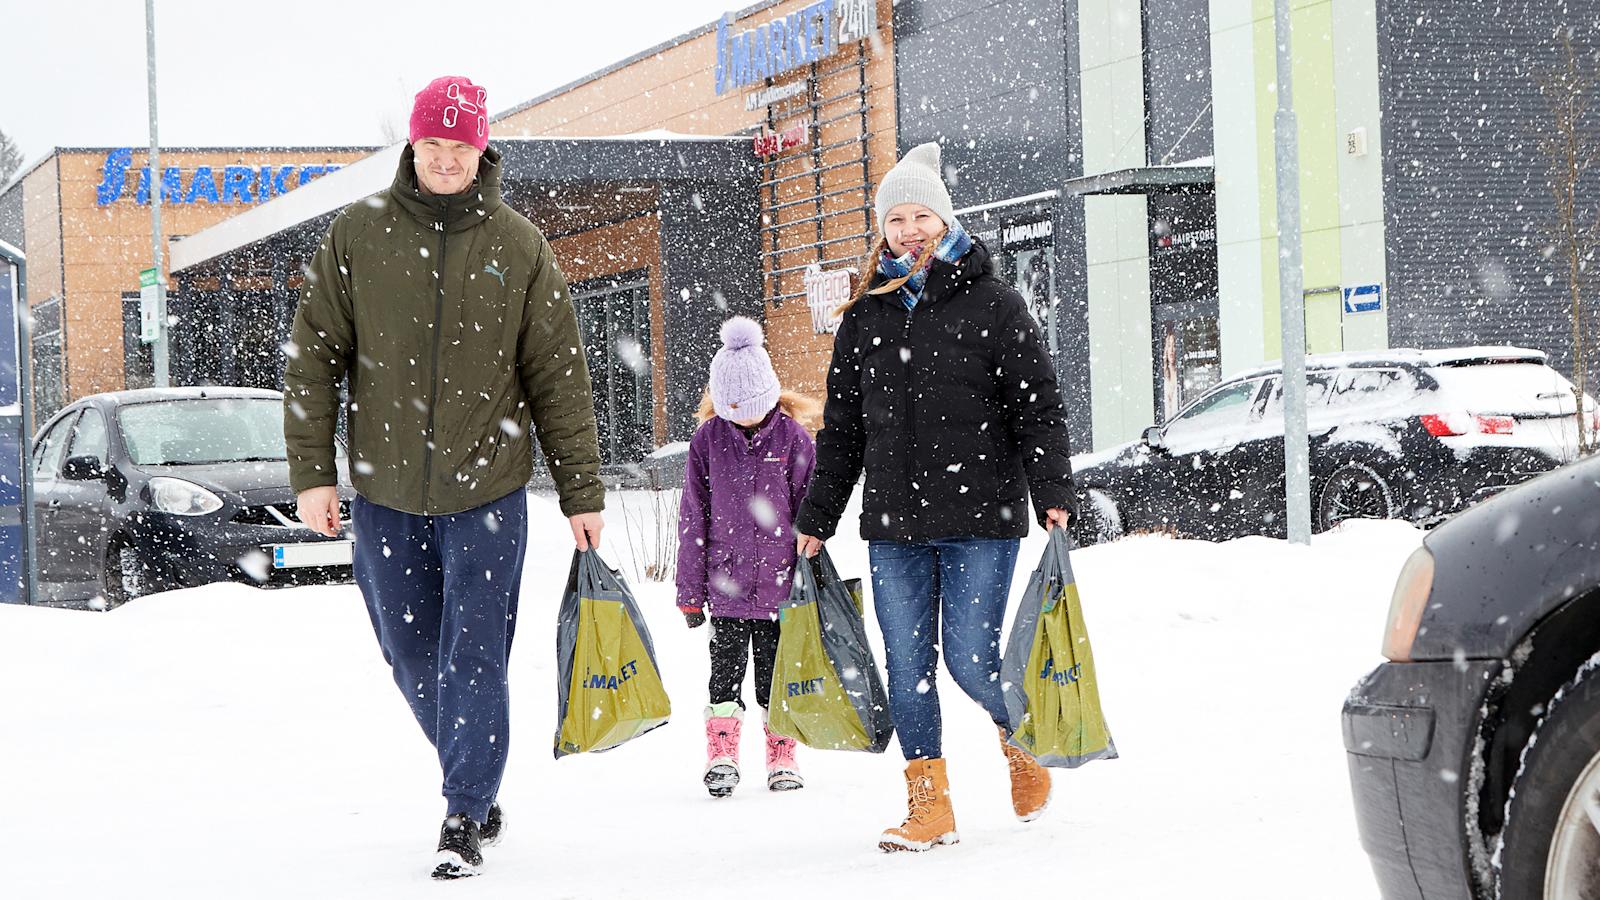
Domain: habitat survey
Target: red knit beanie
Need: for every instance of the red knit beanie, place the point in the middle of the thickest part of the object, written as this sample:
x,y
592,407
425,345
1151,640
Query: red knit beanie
x,y
453,108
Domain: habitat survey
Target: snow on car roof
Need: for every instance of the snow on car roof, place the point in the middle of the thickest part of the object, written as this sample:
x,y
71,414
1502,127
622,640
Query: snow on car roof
x,y
1406,356
146,395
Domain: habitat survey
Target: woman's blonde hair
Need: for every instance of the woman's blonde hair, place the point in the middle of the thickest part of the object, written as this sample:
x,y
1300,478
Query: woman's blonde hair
x,y
921,261
799,407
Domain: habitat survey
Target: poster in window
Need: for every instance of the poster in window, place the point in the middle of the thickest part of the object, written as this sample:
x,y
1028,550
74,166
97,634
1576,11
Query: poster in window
x,y
1033,282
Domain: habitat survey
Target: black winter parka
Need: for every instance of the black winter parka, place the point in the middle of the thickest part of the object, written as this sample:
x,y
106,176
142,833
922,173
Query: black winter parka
x,y
951,408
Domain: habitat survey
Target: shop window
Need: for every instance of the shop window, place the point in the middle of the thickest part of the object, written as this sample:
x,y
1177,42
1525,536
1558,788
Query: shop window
x,y
49,374
614,318
1021,240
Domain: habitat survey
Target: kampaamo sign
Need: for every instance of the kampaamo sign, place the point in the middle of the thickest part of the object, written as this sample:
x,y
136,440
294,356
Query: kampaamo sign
x,y
238,184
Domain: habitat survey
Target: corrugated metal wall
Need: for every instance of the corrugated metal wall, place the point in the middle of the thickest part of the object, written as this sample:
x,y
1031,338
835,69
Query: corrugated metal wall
x,y
1467,204
994,81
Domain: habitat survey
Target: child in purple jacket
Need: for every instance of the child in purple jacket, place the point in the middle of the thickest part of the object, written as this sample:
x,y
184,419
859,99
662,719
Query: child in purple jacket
x,y
748,465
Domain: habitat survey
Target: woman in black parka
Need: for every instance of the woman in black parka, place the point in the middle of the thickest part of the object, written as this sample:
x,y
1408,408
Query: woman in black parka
x,y
941,390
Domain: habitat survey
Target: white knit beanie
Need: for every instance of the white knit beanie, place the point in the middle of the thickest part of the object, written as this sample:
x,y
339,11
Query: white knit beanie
x,y
916,178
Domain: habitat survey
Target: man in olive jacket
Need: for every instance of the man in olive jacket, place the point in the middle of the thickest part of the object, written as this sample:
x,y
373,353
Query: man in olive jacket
x,y
445,312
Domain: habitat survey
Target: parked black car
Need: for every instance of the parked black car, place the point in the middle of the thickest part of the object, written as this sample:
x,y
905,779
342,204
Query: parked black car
x,y
149,490
1474,752
1408,434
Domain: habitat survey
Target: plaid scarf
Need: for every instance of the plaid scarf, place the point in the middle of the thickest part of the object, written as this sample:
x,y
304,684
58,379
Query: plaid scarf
x,y
954,245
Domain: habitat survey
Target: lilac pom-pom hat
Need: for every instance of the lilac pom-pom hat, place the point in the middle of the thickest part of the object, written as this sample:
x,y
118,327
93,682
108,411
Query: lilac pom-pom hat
x,y
743,385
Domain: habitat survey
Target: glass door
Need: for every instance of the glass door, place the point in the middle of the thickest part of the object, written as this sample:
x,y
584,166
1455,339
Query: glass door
x,y
614,319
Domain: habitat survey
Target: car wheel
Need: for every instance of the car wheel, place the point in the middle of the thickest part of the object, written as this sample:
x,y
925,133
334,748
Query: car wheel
x,y
1354,491
124,577
1550,845
1098,521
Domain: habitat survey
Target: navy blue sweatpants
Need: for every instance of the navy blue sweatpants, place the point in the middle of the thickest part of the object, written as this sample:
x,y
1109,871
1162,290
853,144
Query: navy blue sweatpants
x,y
442,594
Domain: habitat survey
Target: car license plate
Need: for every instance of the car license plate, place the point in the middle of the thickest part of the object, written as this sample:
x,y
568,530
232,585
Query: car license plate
x,y
312,553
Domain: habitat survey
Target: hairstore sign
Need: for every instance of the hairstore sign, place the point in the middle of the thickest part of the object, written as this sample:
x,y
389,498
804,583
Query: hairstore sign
x,y
786,43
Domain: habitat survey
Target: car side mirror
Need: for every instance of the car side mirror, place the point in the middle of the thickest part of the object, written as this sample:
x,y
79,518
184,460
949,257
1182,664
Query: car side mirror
x,y
1152,436
83,468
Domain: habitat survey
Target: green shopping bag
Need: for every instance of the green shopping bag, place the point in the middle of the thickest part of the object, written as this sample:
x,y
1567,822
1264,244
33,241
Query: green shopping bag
x,y
826,691
1052,697
609,688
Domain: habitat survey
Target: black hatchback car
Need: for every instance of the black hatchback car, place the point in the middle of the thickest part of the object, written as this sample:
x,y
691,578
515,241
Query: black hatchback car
x,y
148,490
1408,434
1474,753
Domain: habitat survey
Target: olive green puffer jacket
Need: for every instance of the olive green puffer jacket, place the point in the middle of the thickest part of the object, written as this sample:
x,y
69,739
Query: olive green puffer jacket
x,y
453,325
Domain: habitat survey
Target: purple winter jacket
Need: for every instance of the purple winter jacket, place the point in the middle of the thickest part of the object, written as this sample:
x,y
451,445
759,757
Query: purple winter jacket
x,y
735,541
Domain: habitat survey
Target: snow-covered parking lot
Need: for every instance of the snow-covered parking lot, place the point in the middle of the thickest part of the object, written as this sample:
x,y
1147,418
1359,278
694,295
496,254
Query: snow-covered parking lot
x,y
230,742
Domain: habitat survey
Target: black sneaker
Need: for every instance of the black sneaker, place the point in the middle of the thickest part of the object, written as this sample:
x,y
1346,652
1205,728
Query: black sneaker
x,y
459,854
493,827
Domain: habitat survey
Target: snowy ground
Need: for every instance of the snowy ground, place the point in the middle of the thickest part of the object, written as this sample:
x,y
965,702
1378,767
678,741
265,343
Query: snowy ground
x,y
229,742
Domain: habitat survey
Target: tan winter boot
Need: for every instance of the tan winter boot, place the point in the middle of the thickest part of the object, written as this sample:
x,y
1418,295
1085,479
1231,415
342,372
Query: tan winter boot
x,y
930,820
1030,782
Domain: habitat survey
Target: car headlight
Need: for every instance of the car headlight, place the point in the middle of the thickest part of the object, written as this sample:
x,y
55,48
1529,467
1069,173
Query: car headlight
x,y
1411,593
182,498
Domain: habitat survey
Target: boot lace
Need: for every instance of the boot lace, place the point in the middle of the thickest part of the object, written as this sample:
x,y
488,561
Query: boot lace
x,y
919,799
459,835
780,751
725,742
1019,762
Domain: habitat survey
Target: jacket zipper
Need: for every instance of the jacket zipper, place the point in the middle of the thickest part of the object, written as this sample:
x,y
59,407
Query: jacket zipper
x,y
910,413
438,326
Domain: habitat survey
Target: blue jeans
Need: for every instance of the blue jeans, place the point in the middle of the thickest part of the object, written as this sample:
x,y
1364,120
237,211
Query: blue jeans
x,y
442,595
964,581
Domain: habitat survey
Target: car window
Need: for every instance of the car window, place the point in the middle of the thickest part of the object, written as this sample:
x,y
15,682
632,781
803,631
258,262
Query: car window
x,y
1352,387
89,437
1222,403
47,459
1268,407
202,431
1215,420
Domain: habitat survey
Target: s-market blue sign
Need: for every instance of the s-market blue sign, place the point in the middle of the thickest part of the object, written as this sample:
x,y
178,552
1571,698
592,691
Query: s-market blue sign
x,y
237,184
788,42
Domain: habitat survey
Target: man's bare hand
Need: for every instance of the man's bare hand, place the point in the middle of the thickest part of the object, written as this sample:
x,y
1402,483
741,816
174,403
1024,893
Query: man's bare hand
x,y
586,530
319,509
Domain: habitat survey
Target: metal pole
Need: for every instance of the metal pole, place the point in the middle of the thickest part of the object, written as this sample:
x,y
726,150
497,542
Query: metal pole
x,y
1292,302
156,185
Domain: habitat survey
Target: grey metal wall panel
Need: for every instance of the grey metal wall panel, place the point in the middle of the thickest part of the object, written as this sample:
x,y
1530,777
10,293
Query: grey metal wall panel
x,y
991,88
711,269
1467,206
12,230
989,80
1177,80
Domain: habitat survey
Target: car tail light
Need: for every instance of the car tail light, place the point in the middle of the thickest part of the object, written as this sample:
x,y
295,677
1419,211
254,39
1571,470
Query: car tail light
x,y
1446,425
1456,424
1411,592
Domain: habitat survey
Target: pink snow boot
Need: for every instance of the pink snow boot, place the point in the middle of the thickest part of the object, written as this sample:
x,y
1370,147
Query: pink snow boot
x,y
782,772
723,721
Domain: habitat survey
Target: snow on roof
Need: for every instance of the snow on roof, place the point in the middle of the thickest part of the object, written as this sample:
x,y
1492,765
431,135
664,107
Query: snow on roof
x,y
326,194
220,392
336,190
655,134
